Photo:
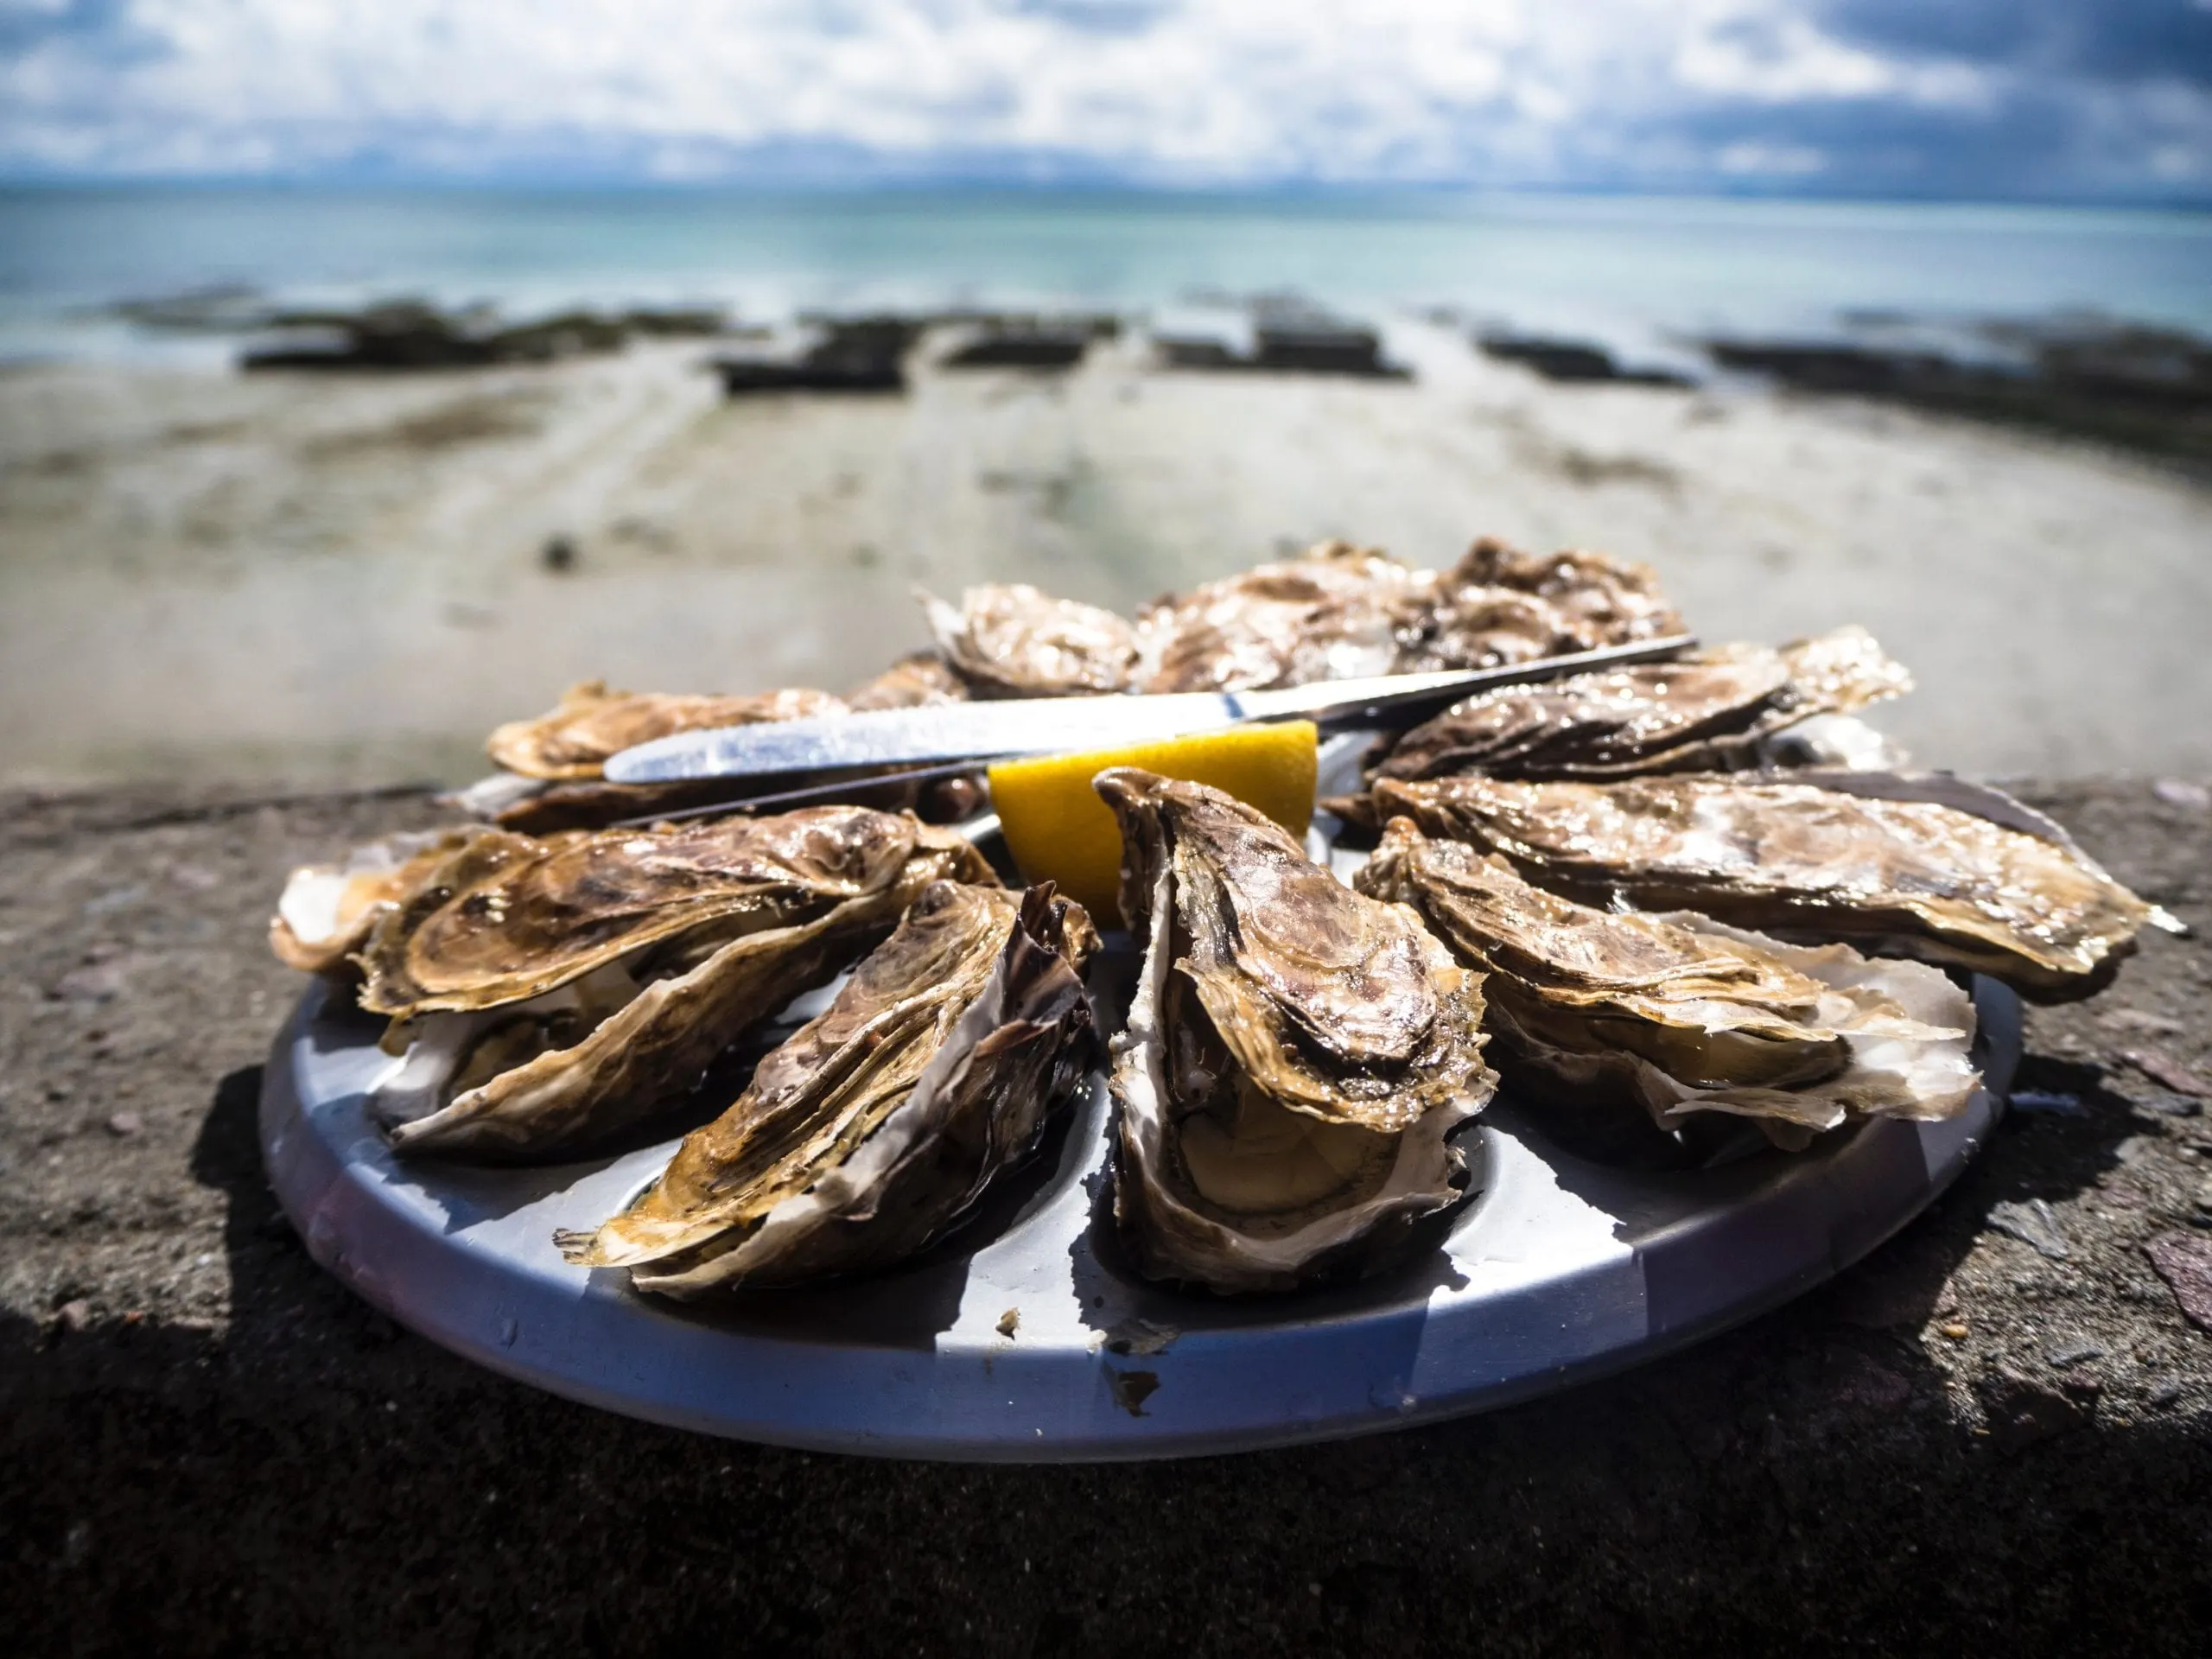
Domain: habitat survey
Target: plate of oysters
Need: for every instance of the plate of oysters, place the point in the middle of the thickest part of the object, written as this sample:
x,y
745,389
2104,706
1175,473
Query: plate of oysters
x,y
1556,1029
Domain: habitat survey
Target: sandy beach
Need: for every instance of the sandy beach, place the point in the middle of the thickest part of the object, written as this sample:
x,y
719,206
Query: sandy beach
x,y
338,578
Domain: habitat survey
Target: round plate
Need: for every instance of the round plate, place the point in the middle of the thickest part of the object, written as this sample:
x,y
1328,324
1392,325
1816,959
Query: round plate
x,y
1022,1339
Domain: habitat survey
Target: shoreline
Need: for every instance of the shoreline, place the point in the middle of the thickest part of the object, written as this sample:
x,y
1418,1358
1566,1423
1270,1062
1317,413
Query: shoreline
x,y
338,578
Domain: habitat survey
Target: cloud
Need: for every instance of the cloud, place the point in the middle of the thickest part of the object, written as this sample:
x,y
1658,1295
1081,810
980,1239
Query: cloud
x,y
2035,98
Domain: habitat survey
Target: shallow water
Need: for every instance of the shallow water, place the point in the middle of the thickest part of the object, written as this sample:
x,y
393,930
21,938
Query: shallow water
x,y
1635,270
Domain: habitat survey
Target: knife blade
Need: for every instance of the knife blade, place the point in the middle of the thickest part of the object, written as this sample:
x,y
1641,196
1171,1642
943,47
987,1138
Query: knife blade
x,y
1026,726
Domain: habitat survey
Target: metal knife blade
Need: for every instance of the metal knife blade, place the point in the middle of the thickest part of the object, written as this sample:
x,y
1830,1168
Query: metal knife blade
x,y
998,730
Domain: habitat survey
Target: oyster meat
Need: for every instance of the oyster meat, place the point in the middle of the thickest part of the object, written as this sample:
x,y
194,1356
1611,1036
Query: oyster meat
x,y
549,992
326,911
1679,1013
594,723
881,1122
1950,874
1295,1058
1333,613
1708,711
1013,641
1499,605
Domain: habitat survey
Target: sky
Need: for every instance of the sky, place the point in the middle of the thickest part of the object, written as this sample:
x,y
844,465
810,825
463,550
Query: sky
x,y
1998,99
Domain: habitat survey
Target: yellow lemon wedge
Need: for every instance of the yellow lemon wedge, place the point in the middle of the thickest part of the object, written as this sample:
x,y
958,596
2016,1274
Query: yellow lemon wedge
x,y
1058,831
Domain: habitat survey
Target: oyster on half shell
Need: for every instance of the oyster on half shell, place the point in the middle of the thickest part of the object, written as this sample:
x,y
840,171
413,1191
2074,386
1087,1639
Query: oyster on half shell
x,y
1952,874
1334,612
1679,1013
1499,605
327,912
548,993
1295,1056
1013,641
593,724
881,1122
1707,711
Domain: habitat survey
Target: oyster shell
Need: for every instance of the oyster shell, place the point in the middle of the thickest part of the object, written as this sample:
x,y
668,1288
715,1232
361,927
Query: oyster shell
x,y
1294,1058
1952,874
593,723
326,911
919,680
1708,711
1013,641
879,1124
1335,613
1680,1013
553,992
1499,605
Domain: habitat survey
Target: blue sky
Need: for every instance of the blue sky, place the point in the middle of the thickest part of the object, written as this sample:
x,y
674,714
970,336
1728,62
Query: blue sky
x,y
2050,99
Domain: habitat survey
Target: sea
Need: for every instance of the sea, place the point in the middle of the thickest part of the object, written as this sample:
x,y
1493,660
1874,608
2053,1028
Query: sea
x,y
1644,274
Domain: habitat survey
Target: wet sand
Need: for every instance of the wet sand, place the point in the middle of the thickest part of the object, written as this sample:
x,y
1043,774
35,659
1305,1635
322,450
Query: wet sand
x,y
338,578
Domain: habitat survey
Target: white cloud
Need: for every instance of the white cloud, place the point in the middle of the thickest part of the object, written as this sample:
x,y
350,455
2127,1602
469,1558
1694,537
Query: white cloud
x,y
1506,90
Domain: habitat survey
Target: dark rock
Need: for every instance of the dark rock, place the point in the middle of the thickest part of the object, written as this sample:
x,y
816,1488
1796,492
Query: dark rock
x,y
2148,388
858,354
2034,1223
2185,1263
1573,362
2022,1412
2053,1101
558,554
2164,1069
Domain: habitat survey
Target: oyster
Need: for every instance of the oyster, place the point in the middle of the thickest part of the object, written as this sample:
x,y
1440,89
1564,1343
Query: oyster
x,y
1950,874
1013,641
1710,710
326,911
549,992
1333,613
1679,1013
1499,605
881,1122
593,723
919,680
1295,1059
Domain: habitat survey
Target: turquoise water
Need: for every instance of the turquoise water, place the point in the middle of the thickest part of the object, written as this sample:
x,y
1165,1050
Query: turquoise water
x,y
1623,268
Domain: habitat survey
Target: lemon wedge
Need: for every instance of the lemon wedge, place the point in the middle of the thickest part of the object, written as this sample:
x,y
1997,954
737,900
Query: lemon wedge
x,y
1058,831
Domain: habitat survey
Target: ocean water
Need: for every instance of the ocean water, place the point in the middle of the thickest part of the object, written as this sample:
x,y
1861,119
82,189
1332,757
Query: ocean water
x,y
1638,271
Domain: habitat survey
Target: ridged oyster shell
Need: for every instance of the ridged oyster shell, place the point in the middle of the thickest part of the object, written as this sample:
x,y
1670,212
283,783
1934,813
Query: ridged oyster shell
x,y
327,912
1680,1013
1013,641
551,992
593,723
879,1124
1708,710
1951,873
1295,1059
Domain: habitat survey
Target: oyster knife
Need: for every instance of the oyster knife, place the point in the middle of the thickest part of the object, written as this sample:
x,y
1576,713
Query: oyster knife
x,y
997,730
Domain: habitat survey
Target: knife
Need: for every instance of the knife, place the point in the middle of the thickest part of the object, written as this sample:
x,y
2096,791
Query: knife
x,y
1013,727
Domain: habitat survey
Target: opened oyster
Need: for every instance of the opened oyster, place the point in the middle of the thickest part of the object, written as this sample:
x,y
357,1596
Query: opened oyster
x,y
593,723
879,1124
1011,641
1707,711
1499,605
1948,873
550,992
1295,1055
921,679
326,911
1679,1013
1333,613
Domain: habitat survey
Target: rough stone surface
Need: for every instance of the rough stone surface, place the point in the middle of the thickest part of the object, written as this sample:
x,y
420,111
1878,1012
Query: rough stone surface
x,y
206,1444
